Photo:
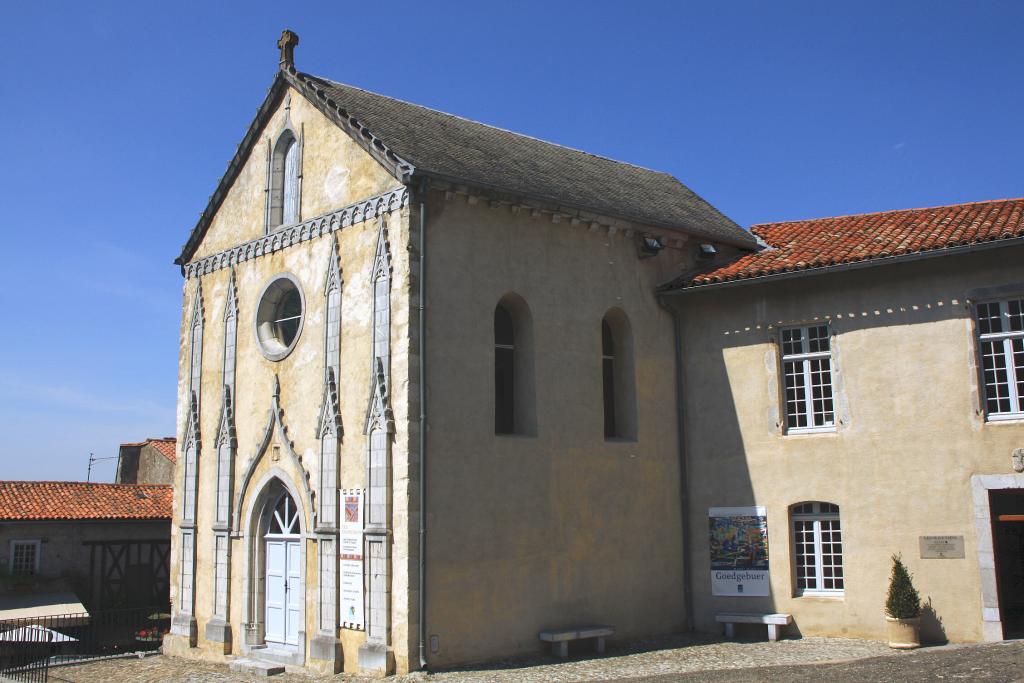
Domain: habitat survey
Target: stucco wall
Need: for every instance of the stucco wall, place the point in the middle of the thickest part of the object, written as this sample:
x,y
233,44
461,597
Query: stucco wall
x,y
532,532
335,172
62,553
143,465
910,435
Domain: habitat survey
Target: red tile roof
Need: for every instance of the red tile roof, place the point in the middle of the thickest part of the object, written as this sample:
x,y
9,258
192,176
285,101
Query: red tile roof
x,y
46,500
822,242
166,446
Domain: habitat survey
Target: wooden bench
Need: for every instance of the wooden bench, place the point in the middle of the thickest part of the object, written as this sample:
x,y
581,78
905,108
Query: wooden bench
x,y
772,621
560,639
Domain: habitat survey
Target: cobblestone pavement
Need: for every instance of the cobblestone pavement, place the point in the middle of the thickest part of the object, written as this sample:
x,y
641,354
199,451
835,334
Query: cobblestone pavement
x,y
654,661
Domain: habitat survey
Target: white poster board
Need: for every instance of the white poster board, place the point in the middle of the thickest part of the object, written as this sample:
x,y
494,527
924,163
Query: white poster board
x,y
351,559
738,537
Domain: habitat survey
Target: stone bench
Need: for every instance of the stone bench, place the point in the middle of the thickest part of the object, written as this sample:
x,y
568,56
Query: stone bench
x,y
772,621
560,639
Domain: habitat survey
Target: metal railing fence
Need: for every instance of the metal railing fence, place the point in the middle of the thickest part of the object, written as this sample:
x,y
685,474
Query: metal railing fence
x,y
30,646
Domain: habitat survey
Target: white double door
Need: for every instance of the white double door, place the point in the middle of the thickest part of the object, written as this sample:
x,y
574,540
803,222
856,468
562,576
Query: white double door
x,y
285,594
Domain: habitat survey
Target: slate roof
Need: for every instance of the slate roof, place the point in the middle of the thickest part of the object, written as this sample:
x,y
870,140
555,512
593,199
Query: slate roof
x,y
413,140
56,500
819,243
165,446
460,150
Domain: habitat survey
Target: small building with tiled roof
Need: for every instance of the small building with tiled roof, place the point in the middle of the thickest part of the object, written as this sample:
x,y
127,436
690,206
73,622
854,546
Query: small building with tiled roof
x,y
108,544
147,462
856,386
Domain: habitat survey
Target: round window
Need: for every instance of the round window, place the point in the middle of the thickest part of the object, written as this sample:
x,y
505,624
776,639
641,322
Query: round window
x,y
279,317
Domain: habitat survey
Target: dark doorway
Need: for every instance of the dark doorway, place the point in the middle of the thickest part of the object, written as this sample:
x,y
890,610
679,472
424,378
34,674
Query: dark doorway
x,y
1008,539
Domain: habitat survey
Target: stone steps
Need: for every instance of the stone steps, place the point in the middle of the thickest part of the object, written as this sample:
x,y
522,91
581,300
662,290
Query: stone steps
x,y
256,667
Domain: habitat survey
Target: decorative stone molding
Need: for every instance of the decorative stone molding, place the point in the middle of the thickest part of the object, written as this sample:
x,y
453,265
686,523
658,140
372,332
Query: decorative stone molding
x,y
1018,459
353,214
218,629
275,425
325,645
183,622
375,655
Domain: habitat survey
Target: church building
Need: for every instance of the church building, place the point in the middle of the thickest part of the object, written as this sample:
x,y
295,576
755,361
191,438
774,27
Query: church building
x,y
443,386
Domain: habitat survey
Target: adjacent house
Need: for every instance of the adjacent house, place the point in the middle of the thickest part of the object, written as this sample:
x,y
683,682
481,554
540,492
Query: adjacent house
x,y
443,386
147,462
861,381
71,546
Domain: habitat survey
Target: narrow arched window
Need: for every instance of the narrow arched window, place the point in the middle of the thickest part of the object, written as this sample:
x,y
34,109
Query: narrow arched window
x,y
608,375
514,407
504,371
283,202
617,376
291,184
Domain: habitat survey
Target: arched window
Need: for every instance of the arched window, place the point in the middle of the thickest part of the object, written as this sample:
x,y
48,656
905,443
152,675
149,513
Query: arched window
x,y
817,548
504,371
283,207
617,375
514,410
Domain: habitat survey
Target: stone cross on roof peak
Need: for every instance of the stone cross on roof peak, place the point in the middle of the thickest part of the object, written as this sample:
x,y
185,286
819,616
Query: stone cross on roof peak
x,y
287,42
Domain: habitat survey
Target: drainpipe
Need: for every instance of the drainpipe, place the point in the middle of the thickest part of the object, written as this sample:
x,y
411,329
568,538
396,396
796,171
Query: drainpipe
x,y
423,428
684,487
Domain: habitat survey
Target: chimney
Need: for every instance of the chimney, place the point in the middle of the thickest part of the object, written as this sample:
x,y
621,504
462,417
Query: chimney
x,y
287,43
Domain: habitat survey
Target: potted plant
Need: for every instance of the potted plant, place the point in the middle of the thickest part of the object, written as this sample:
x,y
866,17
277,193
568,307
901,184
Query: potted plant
x,y
903,608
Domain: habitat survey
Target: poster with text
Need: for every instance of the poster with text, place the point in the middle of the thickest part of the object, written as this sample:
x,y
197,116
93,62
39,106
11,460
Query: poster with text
x,y
739,551
351,593
352,509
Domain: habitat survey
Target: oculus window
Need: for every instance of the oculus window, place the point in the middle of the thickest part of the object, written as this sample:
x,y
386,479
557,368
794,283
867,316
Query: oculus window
x,y
279,317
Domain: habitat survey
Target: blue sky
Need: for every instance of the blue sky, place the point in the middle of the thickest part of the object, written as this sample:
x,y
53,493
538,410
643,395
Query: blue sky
x,y
119,118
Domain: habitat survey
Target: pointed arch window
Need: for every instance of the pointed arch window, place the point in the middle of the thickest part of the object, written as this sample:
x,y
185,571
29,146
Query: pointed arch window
x,y
514,410
284,520
617,376
283,205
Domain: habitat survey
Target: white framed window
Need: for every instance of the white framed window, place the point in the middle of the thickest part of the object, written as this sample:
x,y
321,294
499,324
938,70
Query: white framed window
x,y
807,379
1001,346
24,558
817,549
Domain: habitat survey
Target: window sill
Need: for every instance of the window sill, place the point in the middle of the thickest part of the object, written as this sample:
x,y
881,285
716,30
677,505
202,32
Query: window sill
x,y
824,596
1005,417
620,439
810,430
515,436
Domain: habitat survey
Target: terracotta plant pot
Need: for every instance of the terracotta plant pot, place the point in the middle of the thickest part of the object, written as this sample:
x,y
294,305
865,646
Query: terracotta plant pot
x,y
904,634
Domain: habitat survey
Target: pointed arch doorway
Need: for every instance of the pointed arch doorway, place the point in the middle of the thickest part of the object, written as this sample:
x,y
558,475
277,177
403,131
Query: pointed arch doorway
x,y
285,594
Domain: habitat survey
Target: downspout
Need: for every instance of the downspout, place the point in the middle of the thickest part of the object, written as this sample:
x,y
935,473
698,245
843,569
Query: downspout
x,y
423,429
684,486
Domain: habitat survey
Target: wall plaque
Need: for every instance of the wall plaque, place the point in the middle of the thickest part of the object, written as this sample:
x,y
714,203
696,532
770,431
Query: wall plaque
x,y
941,547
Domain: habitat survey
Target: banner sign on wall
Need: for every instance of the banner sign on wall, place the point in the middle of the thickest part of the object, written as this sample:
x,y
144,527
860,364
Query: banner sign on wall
x,y
352,509
739,551
351,559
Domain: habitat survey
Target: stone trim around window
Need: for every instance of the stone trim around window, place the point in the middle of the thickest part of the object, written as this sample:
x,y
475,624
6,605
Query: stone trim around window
x,y
353,214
